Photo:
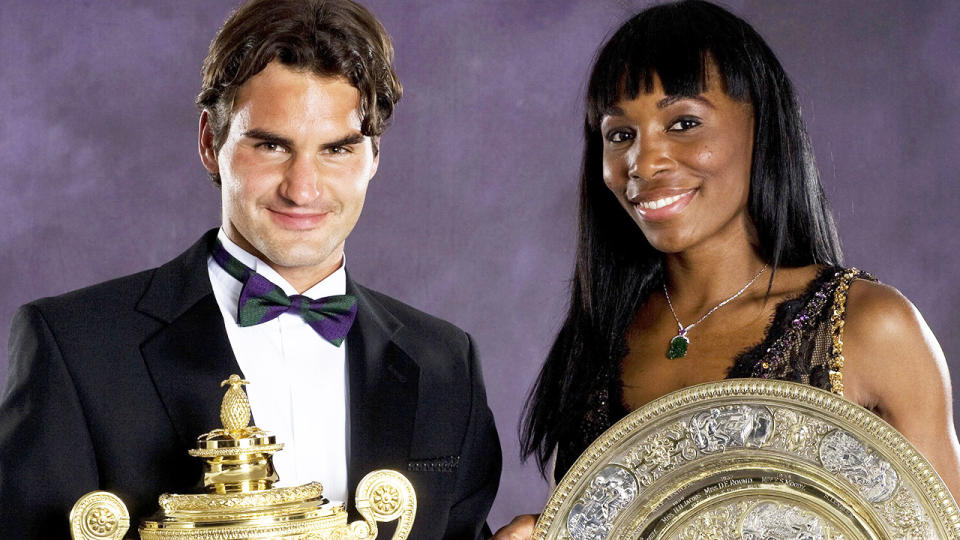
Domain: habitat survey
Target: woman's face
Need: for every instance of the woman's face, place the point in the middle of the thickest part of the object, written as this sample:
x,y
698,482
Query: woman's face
x,y
680,166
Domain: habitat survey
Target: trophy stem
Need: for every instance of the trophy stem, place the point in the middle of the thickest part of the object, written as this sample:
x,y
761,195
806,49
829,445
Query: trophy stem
x,y
242,473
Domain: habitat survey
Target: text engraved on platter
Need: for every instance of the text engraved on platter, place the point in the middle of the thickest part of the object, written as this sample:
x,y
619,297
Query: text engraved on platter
x,y
611,490
731,426
661,452
844,454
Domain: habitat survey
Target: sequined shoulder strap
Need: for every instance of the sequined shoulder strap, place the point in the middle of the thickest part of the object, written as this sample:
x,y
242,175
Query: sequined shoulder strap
x,y
836,327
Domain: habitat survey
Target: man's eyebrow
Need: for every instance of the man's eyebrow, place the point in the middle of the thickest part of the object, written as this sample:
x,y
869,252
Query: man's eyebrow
x,y
273,138
670,100
268,137
345,141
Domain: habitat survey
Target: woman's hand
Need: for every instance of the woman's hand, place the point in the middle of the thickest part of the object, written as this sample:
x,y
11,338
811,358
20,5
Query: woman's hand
x,y
521,528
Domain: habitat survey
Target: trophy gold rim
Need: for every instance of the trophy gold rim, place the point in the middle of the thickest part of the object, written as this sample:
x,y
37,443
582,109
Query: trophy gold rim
x,y
882,438
210,501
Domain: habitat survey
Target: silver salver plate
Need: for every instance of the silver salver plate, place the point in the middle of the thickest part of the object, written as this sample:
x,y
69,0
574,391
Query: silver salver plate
x,y
750,459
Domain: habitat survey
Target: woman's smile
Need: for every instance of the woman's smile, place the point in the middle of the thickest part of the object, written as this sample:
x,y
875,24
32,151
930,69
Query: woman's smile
x,y
659,206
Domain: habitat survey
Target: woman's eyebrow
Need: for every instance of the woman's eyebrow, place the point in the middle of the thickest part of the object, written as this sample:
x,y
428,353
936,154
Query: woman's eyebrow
x,y
670,100
613,110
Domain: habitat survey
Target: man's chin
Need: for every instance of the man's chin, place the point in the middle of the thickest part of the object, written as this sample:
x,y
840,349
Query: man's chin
x,y
284,249
301,258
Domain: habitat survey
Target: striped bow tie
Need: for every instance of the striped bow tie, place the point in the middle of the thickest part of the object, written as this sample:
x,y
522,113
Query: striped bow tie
x,y
262,301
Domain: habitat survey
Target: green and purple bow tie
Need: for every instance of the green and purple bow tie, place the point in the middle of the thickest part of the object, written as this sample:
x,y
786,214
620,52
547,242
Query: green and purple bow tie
x,y
262,301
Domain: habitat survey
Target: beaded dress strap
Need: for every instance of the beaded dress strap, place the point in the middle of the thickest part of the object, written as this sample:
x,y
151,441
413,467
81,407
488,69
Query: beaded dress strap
x,y
836,330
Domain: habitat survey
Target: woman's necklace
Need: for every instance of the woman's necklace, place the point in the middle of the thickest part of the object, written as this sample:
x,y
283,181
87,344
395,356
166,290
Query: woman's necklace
x,y
678,345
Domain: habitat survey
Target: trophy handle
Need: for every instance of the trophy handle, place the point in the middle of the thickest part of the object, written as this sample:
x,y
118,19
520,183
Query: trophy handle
x,y
384,495
99,515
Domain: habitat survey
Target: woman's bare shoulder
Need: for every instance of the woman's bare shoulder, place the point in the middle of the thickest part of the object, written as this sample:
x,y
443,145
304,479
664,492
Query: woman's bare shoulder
x,y
889,350
879,317
894,365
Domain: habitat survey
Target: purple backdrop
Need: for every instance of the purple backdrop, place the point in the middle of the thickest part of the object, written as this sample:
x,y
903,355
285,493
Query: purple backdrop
x,y
471,216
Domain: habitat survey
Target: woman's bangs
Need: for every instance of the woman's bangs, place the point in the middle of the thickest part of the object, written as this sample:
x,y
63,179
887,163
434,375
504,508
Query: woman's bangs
x,y
679,51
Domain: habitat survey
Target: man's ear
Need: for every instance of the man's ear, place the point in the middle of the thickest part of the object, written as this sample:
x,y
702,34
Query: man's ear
x,y
208,153
375,141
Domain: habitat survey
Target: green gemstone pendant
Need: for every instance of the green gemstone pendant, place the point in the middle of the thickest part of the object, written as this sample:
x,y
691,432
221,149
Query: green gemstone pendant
x,y
678,347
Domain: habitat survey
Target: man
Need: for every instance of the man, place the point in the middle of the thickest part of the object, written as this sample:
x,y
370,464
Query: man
x,y
110,385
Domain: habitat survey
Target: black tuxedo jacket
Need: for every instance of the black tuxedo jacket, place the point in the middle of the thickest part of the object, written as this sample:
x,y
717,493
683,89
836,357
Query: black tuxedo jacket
x,y
110,385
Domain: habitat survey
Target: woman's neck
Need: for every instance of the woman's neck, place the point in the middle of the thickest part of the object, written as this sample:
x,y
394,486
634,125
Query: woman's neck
x,y
701,277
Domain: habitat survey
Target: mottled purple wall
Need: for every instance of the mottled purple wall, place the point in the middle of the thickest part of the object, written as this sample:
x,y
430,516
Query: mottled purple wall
x,y
471,216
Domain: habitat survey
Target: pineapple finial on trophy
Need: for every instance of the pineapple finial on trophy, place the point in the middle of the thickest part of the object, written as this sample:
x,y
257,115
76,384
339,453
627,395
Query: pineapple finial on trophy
x,y
235,408
238,456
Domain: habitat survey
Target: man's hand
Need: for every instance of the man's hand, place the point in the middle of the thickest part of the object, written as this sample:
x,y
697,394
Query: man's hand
x,y
521,528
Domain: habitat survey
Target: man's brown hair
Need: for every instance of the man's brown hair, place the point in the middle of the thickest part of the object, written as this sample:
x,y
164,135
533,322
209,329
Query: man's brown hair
x,y
331,38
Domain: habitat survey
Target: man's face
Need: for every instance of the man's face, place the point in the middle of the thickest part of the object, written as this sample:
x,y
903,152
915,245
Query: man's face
x,y
294,170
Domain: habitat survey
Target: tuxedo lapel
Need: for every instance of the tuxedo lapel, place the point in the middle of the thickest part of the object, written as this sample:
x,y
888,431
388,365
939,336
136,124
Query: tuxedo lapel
x,y
383,383
189,356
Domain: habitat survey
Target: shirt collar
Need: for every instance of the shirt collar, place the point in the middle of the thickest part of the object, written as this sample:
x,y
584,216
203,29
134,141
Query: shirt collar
x,y
334,284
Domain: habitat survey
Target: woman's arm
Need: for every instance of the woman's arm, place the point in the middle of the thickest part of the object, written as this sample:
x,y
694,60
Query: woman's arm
x,y
894,365
521,528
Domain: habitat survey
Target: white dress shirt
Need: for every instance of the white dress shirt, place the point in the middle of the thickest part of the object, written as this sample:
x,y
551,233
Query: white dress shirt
x,y
298,380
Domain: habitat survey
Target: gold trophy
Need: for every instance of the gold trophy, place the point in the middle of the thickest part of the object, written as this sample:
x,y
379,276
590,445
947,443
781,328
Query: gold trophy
x,y
241,503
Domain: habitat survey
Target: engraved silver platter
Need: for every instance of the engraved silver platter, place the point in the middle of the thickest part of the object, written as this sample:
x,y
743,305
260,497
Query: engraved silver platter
x,y
750,459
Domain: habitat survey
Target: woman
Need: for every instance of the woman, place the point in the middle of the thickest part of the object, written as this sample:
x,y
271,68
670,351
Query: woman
x,y
707,250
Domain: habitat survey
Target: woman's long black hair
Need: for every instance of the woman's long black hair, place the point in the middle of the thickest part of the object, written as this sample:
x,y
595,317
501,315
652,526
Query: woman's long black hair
x,y
616,268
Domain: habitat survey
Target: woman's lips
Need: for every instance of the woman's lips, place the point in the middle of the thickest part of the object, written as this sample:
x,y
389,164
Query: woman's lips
x,y
297,220
660,206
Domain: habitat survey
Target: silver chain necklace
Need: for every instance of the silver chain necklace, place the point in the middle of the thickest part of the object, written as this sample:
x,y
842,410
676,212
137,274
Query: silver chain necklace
x,y
680,342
